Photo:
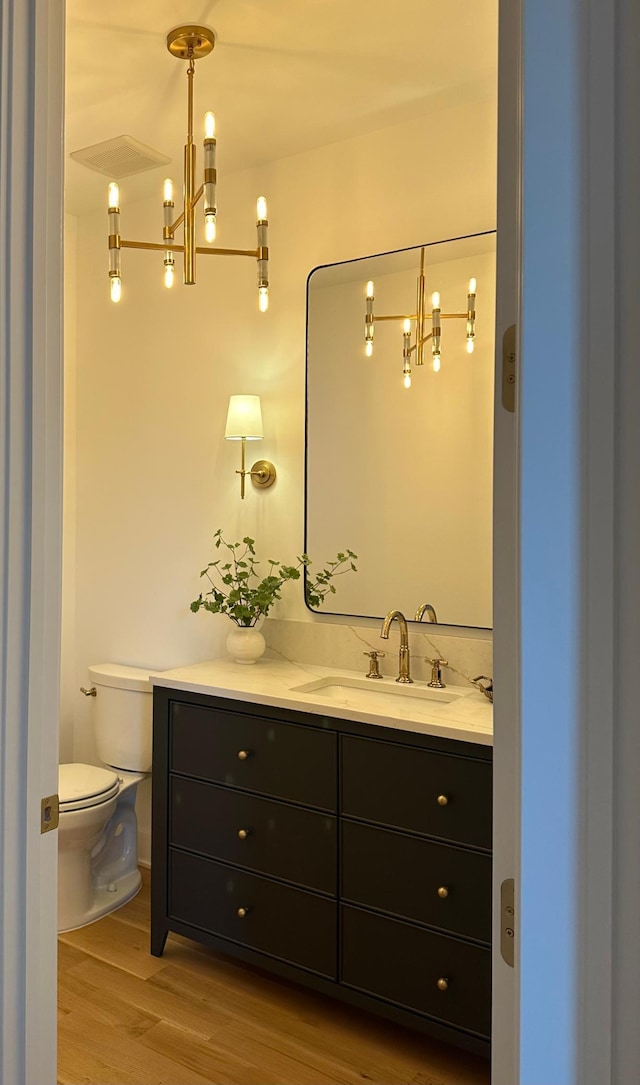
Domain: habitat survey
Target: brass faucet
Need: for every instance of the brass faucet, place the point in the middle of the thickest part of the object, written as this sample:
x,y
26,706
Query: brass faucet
x,y
426,608
403,657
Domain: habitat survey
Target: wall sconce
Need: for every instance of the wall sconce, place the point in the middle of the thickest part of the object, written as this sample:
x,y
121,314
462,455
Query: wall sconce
x,y
244,423
189,43
418,333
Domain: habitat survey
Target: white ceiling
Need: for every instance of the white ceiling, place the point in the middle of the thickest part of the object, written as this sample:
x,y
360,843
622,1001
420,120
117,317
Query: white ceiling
x,y
285,75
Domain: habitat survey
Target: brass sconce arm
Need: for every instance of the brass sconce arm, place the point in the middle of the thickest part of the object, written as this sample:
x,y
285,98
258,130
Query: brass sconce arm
x,y
262,472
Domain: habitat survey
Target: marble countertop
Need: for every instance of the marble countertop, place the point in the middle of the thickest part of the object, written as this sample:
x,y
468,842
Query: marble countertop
x,y
468,716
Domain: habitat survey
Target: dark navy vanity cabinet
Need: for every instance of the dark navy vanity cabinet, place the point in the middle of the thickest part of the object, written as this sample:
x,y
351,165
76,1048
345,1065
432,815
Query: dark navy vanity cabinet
x,y
349,857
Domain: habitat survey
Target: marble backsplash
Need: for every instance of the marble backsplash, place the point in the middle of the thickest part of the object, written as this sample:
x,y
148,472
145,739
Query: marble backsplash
x,y
329,643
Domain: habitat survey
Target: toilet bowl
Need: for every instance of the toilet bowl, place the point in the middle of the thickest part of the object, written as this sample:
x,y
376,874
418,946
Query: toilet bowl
x,y
98,830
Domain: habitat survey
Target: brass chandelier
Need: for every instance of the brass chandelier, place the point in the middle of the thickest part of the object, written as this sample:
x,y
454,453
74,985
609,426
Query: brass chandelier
x,y
189,43
414,338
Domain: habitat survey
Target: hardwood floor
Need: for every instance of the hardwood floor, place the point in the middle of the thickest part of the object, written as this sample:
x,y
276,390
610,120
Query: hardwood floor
x,y
194,1017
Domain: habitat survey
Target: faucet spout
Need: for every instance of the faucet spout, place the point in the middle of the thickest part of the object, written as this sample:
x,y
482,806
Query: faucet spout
x,y
426,608
404,660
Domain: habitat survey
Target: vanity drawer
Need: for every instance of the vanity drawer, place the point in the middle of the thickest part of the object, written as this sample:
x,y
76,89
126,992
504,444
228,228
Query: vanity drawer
x,y
286,761
417,879
403,964
438,794
284,841
286,923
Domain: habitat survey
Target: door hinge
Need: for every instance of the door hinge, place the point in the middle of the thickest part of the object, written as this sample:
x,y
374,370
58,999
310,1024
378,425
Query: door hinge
x,y
49,813
509,369
507,921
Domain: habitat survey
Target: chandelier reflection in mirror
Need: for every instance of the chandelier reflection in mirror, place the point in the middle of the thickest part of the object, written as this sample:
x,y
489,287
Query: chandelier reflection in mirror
x,y
189,43
414,325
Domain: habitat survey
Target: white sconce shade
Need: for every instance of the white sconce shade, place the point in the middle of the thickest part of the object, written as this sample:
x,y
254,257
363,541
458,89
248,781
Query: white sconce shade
x,y
244,419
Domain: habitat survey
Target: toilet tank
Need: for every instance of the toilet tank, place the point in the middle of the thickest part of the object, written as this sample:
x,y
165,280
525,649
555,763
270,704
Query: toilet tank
x,y
123,715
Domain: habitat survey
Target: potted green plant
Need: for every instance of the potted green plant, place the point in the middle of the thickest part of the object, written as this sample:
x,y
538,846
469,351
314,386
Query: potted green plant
x,y
239,590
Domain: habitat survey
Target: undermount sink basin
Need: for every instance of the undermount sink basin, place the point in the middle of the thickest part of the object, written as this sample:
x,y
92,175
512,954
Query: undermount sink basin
x,y
341,688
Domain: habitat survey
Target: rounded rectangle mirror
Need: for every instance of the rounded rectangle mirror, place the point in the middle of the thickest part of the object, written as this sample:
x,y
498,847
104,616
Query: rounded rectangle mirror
x,y
399,431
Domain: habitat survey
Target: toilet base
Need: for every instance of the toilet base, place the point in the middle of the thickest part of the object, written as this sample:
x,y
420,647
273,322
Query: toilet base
x,y
108,899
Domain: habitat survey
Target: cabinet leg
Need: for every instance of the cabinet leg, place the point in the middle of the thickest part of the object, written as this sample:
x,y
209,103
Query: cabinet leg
x,y
158,940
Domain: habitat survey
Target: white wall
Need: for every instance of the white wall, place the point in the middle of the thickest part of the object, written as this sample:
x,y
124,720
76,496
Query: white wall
x,y
154,476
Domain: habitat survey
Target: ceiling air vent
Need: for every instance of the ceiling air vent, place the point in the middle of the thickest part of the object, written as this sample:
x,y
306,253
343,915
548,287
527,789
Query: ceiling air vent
x,y
120,157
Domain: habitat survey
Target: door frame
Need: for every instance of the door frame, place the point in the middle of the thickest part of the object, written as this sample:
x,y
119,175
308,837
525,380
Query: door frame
x,y
31,173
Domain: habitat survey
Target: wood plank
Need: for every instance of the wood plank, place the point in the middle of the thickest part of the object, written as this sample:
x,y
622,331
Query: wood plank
x,y
232,1063
117,943
95,1055
105,1005
68,956
187,1011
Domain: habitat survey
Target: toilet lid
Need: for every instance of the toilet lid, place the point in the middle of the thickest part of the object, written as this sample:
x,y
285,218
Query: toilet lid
x,y
80,786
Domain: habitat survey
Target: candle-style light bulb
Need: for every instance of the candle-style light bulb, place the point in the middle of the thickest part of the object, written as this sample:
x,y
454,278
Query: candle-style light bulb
x,y
406,351
263,299
114,194
370,289
435,300
471,315
168,276
210,227
116,287
368,348
436,363
167,190
209,125
261,209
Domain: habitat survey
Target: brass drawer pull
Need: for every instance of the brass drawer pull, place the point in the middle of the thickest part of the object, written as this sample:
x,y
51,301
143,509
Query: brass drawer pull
x,y
443,892
443,984
443,800
242,913
243,755
243,834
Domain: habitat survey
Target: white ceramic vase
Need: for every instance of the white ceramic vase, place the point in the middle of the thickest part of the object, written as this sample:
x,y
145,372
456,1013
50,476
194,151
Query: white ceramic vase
x,y
245,644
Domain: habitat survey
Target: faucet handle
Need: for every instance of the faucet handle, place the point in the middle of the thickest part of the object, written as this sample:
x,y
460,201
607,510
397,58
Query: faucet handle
x,y
374,655
436,674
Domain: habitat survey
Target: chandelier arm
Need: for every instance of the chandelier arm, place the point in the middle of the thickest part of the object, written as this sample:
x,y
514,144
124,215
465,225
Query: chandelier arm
x,y
154,246
178,222
453,316
227,252
411,316
199,194
426,339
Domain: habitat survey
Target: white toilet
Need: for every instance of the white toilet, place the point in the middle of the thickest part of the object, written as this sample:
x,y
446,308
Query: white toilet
x,y
98,831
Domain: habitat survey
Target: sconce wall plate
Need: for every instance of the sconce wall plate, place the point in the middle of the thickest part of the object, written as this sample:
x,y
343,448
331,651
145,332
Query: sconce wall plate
x,y
263,474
